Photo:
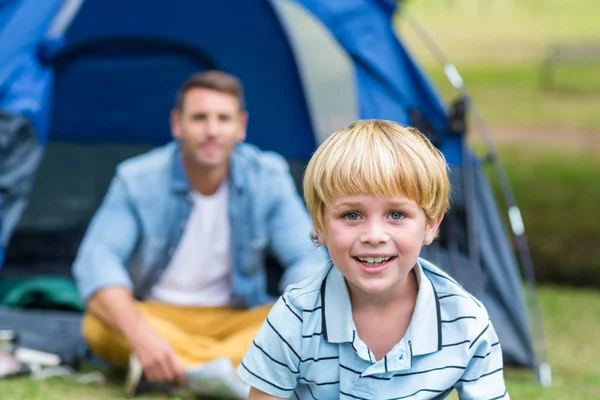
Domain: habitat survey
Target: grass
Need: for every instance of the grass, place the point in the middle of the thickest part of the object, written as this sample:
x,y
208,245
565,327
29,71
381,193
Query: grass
x,y
502,31
513,94
572,323
499,47
558,194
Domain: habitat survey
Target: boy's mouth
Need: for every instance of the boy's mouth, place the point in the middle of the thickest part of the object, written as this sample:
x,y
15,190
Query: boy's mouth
x,y
374,261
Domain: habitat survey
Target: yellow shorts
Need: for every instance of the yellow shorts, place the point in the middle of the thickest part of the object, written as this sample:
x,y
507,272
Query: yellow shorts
x,y
196,334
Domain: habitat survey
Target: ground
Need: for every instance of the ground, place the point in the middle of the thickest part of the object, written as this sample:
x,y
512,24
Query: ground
x,y
572,139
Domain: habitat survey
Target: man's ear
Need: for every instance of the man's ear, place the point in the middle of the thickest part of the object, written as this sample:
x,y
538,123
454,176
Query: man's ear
x,y
243,125
175,123
431,229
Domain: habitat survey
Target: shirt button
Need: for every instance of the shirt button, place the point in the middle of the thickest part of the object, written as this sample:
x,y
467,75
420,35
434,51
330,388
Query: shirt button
x,y
183,223
171,251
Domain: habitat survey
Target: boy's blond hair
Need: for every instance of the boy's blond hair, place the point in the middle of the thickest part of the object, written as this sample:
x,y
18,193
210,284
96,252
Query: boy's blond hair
x,y
380,158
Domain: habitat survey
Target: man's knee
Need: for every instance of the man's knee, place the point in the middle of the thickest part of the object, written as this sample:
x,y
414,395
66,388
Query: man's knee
x,y
93,329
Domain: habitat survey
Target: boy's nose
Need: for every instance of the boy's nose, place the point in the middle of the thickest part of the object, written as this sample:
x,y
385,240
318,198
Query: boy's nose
x,y
374,234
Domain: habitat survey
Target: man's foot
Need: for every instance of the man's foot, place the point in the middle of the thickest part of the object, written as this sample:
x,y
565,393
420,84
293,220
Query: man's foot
x,y
135,376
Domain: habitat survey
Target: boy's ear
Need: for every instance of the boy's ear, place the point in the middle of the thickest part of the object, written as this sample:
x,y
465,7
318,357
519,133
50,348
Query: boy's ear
x,y
432,229
318,235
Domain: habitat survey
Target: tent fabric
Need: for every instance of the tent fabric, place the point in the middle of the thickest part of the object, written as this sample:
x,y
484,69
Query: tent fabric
x,y
20,155
110,79
51,331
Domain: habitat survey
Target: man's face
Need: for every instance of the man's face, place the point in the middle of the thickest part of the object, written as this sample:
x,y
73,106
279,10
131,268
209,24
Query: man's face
x,y
209,125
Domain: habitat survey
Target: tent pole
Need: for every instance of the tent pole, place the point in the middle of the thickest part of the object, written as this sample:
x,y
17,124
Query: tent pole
x,y
543,370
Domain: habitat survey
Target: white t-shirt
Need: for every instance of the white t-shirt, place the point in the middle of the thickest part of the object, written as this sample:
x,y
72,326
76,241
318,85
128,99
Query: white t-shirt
x,y
198,274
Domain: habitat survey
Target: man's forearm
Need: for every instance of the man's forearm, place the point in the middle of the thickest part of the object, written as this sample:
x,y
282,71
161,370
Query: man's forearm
x,y
115,306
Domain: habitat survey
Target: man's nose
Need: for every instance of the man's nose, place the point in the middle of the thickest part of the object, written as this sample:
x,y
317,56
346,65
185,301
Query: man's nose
x,y
212,126
374,233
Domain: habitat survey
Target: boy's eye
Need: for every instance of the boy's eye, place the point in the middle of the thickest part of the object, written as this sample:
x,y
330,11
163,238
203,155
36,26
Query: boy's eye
x,y
397,215
351,216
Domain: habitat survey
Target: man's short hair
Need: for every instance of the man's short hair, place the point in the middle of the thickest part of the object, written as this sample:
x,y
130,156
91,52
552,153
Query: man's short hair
x,y
380,158
214,80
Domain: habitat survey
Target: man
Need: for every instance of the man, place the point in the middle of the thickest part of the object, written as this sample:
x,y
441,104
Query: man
x,y
172,266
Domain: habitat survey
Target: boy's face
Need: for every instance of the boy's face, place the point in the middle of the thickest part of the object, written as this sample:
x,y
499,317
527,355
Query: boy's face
x,y
375,241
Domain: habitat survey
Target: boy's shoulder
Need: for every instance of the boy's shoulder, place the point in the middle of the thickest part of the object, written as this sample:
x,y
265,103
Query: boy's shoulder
x,y
454,300
306,294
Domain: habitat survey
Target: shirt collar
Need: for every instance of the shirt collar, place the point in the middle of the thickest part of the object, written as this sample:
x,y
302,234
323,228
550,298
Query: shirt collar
x,y
425,326
426,323
180,181
337,324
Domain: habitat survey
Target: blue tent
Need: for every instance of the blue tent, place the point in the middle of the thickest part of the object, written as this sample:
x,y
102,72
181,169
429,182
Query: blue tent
x,y
93,82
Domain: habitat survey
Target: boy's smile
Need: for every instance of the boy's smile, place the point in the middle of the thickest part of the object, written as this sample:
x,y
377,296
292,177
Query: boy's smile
x,y
375,241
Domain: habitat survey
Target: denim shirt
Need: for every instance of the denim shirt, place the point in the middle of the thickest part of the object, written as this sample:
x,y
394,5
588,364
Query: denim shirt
x,y
134,233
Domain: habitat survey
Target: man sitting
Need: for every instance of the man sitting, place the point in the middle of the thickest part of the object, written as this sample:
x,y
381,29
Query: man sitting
x,y
172,267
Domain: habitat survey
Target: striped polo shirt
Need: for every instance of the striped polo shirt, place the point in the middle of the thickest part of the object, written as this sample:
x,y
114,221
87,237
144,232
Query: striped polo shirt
x,y
309,348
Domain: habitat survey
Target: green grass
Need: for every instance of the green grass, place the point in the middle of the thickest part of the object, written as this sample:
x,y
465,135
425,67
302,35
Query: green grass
x,y
558,194
499,46
513,94
572,324
502,30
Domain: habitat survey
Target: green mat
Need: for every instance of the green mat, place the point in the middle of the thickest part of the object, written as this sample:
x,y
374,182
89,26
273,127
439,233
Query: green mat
x,y
41,292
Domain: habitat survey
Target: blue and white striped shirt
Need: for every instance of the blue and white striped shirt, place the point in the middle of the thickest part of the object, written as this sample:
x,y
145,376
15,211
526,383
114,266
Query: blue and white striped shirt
x,y
308,348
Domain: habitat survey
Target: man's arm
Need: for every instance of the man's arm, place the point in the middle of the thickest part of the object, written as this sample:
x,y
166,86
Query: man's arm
x,y
289,229
104,283
108,243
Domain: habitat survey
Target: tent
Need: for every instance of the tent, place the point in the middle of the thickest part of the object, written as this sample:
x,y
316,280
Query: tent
x,y
86,84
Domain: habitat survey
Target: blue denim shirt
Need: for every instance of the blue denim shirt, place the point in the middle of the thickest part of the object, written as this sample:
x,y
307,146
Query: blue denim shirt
x,y
136,230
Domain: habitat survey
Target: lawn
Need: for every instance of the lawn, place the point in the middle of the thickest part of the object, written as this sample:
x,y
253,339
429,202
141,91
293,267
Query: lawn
x,y
572,323
548,131
557,191
512,94
503,31
499,47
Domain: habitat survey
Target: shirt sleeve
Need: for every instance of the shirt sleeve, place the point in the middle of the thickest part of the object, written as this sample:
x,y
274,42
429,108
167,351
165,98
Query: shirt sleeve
x,y
272,362
107,244
483,378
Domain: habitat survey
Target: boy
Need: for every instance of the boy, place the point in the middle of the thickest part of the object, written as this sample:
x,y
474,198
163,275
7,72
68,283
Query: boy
x,y
379,322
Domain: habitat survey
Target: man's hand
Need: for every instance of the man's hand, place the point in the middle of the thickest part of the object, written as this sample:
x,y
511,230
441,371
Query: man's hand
x,y
157,357
115,306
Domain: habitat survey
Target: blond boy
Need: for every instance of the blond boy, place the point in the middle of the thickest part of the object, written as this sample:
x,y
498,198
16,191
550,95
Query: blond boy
x,y
378,322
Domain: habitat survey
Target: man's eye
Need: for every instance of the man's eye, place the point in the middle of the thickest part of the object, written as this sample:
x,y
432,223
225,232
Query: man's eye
x,y
397,215
352,216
